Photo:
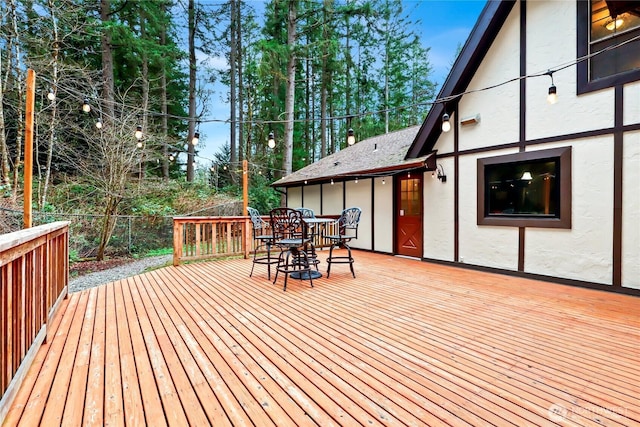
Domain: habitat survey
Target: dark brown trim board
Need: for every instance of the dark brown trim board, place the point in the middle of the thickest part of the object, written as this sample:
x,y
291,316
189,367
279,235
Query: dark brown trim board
x,y
618,161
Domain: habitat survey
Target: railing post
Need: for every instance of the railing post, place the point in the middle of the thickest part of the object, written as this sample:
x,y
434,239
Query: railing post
x,y
177,242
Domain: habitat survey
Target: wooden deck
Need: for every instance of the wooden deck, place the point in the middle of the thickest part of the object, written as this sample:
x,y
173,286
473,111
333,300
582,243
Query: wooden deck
x,y
405,343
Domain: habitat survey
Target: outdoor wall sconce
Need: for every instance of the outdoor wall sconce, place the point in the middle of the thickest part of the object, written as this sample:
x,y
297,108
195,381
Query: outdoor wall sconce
x,y
440,173
446,124
271,142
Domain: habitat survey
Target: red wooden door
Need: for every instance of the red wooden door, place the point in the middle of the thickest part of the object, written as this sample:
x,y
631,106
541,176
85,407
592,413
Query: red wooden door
x,y
409,215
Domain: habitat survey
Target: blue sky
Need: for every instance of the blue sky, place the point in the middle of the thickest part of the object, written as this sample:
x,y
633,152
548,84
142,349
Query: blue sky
x,y
445,25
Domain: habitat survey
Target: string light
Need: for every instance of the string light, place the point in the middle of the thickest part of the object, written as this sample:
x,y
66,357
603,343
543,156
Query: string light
x,y
552,97
171,158
271,142
446,124
139,144
138,133
51,96
351,138
196,138
99,123
85,105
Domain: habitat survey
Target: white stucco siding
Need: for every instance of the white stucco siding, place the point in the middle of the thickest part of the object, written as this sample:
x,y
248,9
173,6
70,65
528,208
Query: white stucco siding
x,y
631,211
359,195
498,108
632,103
585,251
294,197
438,214
551,43
487,246
312,197
383,215
332,198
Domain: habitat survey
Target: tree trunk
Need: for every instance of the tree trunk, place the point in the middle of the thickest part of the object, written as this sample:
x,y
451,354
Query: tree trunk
x,y
108,103
192,91
20,107
164,107
233,54
287,160
54,111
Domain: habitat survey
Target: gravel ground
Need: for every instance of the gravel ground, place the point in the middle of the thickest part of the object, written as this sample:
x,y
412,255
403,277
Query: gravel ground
x,y
121,272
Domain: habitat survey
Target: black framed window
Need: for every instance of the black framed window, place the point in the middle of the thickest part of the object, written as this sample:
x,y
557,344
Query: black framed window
x,y
529,189
608,31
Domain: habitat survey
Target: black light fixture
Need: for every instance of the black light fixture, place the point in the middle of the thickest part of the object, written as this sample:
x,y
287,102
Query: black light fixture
x,y
552,97
271,142
351,138
441,176
446,124
86,107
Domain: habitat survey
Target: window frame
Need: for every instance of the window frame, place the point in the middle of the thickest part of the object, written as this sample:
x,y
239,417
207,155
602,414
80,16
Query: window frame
x,y
563,155
584,84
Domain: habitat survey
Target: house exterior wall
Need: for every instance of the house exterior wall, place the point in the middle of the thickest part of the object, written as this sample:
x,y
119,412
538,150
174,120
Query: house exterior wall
x,y
631,209
312,198
359,195
383,215
294,197
586,123
332,198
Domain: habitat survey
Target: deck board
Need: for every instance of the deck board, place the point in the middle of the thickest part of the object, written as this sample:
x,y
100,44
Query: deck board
x,y
404,343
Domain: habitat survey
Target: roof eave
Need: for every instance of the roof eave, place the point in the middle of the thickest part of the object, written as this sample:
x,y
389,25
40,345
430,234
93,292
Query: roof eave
x,y
476,47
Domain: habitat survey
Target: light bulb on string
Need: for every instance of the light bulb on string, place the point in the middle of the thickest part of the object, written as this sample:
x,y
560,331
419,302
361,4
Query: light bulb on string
x,y
139,144
271,142
351,138
51,96
99,123
138,133
86,107
196,138
171,158
446,124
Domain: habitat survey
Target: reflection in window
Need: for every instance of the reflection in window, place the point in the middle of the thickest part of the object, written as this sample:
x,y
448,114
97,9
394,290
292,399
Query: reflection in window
x,y
612,24
523,189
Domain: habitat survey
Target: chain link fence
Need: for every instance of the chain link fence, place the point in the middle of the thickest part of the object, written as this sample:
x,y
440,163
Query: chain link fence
x,y
132,235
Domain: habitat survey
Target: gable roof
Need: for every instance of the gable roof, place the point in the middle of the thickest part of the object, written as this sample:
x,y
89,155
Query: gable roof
x,y
476,47
380,155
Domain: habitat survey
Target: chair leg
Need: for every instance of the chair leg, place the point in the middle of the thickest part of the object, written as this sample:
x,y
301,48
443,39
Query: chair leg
x,y
350,260
329,259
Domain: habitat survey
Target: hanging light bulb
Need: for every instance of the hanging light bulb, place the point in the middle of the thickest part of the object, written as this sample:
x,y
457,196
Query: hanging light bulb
x,y
446,124
51,96
171,158
271,142
99,123
139,144
85,105
331,181
305,182
552,97
383,181
356,179
196,138
138,133
351,138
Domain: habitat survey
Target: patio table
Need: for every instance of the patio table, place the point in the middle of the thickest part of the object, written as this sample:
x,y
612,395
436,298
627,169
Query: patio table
x,y
309,224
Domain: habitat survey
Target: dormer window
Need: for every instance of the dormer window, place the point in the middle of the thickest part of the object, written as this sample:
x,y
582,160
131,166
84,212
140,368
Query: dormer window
x,y
608,33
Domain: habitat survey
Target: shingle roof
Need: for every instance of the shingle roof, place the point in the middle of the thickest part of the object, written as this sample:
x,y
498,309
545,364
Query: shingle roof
x,y
377,155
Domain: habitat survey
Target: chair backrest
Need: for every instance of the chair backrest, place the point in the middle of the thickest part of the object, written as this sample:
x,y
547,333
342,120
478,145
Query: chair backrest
x,y
306,212
256,219
349,220
286,223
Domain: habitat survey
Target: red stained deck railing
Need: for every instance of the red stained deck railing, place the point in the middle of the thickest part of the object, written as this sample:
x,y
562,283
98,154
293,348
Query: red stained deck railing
x,y
198,238
34,273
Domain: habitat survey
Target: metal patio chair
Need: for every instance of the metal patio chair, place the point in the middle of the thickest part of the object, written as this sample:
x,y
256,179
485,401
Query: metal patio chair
x,y
289,233
262,239
347,228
